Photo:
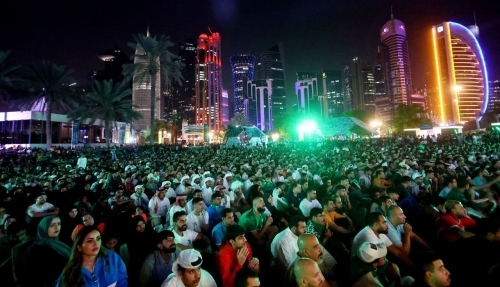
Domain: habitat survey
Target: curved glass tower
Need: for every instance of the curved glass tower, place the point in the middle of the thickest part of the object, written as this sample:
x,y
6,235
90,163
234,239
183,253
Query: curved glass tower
x,y
242,66
462,78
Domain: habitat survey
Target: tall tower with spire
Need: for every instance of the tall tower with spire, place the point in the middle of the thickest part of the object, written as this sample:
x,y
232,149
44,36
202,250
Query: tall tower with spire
x,y
395,65
141,94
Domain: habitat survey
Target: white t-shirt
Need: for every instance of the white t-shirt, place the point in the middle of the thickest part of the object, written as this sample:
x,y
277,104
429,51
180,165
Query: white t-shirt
x,y
207,195
139,201
305,206
162,210
284,246
189,236
206,280
34,208
194,222
173,210
367,235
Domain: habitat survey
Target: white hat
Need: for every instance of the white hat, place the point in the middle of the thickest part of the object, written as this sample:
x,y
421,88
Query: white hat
x,y
415,175
235,185
166,182
188,259
139,186
369,252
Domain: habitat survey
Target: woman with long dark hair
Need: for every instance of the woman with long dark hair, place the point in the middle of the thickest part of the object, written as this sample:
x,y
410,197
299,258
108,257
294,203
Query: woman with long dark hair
x,y
90,264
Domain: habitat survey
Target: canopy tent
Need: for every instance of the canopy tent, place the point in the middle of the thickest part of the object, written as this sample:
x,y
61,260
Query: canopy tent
x,y
345,126
244,135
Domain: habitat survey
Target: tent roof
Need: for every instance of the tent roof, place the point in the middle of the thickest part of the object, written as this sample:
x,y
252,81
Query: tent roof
x,y
252,131
344,125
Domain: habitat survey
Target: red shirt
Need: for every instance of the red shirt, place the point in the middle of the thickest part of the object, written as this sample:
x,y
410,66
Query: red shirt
x,y
227,263
446,222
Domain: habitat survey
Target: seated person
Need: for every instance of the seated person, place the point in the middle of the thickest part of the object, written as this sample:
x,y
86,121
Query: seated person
x,y
453,224
430,271
187,271
401,233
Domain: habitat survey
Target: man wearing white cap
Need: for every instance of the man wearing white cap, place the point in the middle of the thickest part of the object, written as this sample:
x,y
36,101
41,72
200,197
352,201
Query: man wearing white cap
x,y
416,185
370,267
187,271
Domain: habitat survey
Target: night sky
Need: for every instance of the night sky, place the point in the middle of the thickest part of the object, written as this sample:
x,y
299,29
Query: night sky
x,y
317,34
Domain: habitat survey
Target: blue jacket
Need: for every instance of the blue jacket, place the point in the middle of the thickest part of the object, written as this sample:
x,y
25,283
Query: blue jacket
x,y
114,274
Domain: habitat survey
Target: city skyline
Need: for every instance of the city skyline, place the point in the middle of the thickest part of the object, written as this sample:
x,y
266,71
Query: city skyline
x,y
321,36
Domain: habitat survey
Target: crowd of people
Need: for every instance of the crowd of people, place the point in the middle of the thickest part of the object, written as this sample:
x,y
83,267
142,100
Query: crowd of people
x,y
411,211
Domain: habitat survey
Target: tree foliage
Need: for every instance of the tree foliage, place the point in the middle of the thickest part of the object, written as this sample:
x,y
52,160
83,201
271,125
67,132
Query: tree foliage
x,y
409,116
109,102
7,78
152,57
362,115
239,119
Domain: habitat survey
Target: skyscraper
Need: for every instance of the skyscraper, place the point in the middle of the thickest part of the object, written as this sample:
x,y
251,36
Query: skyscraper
x,y
462,77
141,94
180,100
332,90
225,106
347,87
357,85
242,66
395,63
209,81
307,96
271,66
258,99
494,103
368,89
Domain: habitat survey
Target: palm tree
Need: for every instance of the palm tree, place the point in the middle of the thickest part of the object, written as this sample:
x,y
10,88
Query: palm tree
x,y
6,81
152,57
108,102
49,85
239,119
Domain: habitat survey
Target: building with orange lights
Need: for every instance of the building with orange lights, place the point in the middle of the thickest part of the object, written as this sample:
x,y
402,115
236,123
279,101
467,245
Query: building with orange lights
x,y
395,60
462,78
209,81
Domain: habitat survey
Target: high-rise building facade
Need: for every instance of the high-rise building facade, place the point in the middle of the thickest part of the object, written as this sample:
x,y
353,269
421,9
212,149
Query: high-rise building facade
x,y
347,87
225,107
395,58
242,66
258,103
462,78
494,103
358,97
208,84
180,99
141,95
307,96
271,66
331,89
368,89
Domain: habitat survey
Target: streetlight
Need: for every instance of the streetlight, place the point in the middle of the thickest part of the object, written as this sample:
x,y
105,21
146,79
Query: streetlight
x,y
275,137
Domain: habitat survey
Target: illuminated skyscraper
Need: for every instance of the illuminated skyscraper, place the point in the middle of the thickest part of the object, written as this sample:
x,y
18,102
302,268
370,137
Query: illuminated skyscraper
x,y
462,78
225,107
395,64
271,66
141,95
368,89
494,103
347,87
242,66
358,99
209,81
307,96
331,89
258,108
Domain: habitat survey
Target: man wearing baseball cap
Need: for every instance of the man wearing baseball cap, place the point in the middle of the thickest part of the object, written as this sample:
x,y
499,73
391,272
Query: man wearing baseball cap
x,y
187,271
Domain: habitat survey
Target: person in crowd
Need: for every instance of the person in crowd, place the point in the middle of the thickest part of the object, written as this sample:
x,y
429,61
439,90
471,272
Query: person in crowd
x,y
182,187
309,202
207,190
384,202
393,193
380,181
88,220
396,178
139,211
91,265
258,224
246,277
284,246
46,247
400,232
158,265
294,197
235,254
318,227
158,207
141,241
308,274
430,271
196,194
449,184
15,235
185,238
219,230
101,209
187,271
454,223
214,210
198,219
70,220
179,205
41,208
376,232
139,197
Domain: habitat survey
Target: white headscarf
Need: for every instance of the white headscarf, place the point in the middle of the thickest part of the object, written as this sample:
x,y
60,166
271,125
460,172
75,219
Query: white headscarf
x,y
278,202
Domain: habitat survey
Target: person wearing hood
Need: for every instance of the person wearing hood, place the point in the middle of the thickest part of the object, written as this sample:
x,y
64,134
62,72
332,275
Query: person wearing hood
x,y
196,181
181,188
179,205
207,190
228,180
45,249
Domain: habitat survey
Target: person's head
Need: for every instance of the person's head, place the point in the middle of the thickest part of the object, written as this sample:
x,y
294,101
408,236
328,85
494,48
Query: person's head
x,y
379,174
227,217
297,225
139,210
258,204
455,208
198,205
165,241
384,201
197,193
216,199
393,193
377,222
396,215
16,232
162,193
311,194
138,224
179,220
181,200
87,220
296,187
139,189
73,212
41,199
340,190
309,247
188,267
406,181
307,273
372,254
462,183
450,182
488,228
88,243
337,202
246,277
430,269
327,204
317,215
235,236
49,227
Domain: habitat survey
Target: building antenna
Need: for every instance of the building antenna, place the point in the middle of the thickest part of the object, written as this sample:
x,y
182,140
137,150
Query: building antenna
x,y
392,16
147,31
475,23
210,31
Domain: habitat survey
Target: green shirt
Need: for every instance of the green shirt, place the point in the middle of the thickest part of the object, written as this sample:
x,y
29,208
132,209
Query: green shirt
x,y
455,194
251,222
